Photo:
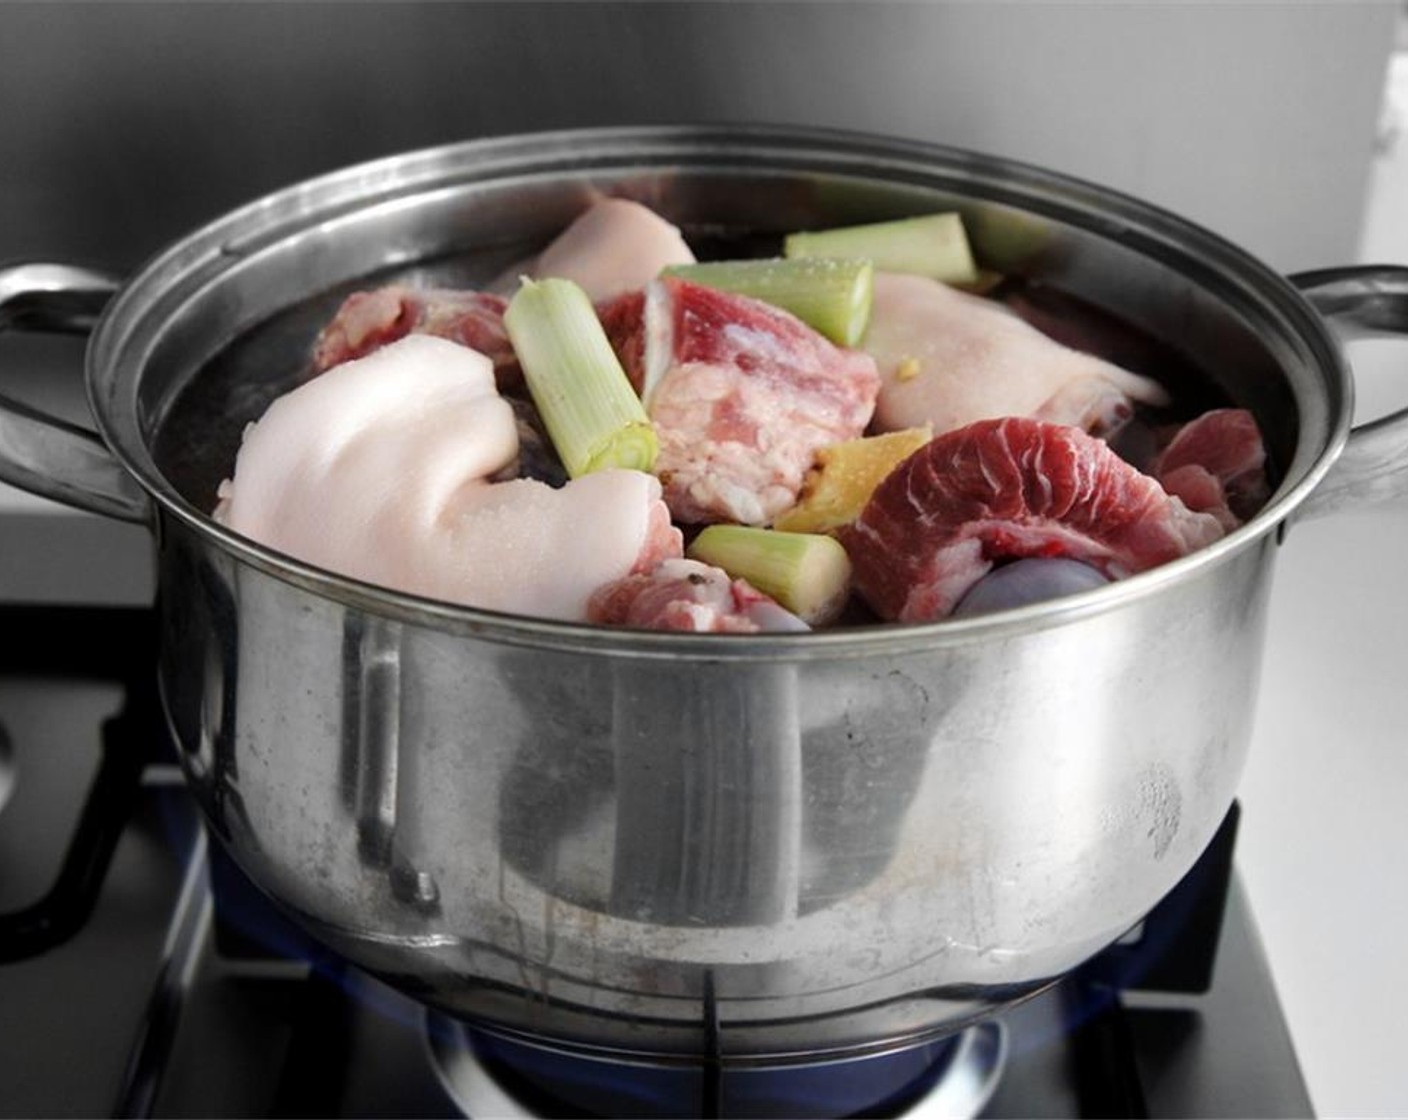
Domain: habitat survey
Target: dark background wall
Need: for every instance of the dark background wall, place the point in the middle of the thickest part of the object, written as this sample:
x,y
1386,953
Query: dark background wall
x,y
123,125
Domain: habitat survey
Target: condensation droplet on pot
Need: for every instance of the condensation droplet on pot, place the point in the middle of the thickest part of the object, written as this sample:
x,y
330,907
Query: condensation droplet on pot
x,y
1161,807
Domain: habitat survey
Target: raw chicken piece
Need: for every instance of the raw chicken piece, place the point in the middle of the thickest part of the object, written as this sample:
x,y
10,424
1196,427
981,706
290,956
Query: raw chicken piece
x,y
614,246
368,320
688,595
1004,489
741,393
947,358
379,469
1217,464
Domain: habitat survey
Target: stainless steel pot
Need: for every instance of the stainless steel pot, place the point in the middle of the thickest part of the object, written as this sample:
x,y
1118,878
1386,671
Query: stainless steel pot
x,y
638,842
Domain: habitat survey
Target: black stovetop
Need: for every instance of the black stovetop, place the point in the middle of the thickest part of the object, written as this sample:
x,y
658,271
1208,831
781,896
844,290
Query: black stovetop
x,y
123,991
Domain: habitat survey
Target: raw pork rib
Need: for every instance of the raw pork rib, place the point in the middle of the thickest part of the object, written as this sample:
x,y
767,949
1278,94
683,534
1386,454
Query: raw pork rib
x,y
1217,464
741,393
379,469
688,595
1005,489
368,320
947,358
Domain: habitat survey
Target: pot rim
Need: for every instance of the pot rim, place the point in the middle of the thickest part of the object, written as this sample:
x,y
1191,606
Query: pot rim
x,y
145,305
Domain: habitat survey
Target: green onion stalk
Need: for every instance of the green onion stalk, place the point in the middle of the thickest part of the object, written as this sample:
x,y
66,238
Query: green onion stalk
x,y
933,245
592,414
831,296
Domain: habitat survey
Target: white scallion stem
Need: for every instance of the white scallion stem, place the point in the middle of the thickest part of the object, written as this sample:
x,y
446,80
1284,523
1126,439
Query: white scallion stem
x,y
807,573
934,245
592,414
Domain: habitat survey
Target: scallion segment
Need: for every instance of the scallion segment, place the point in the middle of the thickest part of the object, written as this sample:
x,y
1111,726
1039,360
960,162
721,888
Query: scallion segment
x,y
806,573
592,414
830,295
934,245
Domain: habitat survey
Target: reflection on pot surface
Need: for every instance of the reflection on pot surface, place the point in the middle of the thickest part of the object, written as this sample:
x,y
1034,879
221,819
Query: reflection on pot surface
x,y
581,845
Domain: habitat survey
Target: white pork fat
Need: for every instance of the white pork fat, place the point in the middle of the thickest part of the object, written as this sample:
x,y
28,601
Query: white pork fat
x,y
379,469
948,358
614,246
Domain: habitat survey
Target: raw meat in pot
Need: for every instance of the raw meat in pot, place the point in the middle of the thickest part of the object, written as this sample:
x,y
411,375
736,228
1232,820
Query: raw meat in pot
x,y
689,595
379,469
623,320
742,395
1000,490
948,358
614,246
1217,464
415,419
369,320
526,548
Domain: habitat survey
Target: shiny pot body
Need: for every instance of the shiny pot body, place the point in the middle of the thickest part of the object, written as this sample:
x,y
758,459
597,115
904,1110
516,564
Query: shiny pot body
x,y
824,849
779,846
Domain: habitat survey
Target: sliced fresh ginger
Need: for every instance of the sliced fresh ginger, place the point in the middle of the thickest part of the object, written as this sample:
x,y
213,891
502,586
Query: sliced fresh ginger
x,y
845,475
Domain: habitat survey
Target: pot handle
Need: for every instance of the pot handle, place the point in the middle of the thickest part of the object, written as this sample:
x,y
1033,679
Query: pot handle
x,y
1363,301
44,454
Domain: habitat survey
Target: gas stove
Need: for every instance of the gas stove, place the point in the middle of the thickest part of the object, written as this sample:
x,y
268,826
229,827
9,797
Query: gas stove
x,y
142,975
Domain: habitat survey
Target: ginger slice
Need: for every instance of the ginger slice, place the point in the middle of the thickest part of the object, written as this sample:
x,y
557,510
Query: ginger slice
x,y
845,475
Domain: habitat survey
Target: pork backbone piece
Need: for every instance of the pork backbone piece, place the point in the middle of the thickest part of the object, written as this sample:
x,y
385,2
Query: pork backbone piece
x,y
742,394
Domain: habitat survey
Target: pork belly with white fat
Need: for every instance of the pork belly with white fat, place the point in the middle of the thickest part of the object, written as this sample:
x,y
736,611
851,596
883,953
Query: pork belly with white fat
x,y
741,393
948,358
1002,490
379,469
